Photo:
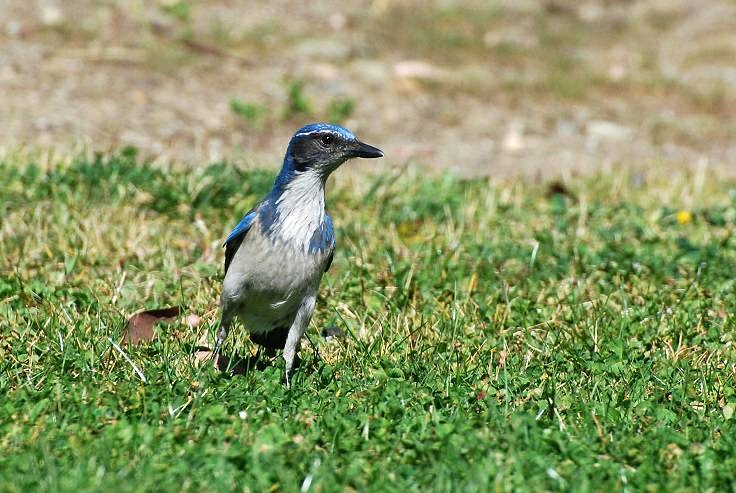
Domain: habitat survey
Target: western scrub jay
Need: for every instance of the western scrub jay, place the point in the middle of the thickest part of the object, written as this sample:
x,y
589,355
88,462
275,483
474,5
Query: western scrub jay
x,y
276,256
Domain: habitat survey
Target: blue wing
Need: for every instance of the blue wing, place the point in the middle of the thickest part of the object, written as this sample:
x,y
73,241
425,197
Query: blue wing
x,y
328,240
235,238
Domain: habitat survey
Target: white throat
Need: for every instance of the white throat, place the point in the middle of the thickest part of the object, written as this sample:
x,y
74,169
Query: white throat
x,y
301,209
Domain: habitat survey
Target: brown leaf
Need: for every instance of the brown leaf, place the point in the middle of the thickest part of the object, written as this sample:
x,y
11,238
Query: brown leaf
x,y
140,325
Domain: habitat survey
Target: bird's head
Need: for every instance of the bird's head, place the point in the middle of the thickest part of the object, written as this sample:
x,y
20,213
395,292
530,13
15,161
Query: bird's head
x,y
321,148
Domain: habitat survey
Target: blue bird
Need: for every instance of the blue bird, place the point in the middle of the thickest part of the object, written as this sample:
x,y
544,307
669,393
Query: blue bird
x,y
276,256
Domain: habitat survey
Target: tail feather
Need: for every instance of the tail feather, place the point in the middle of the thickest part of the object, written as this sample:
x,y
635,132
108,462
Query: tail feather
x,y
274,339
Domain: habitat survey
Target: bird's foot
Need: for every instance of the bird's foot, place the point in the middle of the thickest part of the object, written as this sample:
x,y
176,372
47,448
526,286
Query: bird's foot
x,y
221,336
215,356
288,373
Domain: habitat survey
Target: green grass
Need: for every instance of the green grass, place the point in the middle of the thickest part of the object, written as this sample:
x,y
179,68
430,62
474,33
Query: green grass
x,y
499,338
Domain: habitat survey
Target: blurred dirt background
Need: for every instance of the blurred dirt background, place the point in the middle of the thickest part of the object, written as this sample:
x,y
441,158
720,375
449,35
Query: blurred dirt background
x,y
530,87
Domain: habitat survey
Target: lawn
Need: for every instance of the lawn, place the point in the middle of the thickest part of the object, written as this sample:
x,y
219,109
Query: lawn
x,y
498,335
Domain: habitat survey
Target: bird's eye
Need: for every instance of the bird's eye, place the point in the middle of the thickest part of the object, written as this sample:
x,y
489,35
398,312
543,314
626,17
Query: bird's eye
x,y
327,139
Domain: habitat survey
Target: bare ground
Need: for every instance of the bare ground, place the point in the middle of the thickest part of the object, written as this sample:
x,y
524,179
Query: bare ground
x,y
537,88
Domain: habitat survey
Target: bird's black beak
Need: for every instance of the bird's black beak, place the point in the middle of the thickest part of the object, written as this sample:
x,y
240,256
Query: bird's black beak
x,y
359,149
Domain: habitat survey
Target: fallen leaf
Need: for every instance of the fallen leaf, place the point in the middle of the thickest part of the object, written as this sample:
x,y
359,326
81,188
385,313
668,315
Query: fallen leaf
x,y
140,325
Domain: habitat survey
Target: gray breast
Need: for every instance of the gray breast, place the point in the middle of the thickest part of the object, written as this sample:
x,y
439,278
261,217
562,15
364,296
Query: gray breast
x,y
268,279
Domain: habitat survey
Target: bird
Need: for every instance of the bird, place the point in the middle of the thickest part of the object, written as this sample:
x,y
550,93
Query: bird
x,y
277,254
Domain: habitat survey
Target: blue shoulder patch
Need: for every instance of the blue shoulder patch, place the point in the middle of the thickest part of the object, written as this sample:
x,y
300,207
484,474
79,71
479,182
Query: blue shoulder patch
x,y
235,238
323,237
242,227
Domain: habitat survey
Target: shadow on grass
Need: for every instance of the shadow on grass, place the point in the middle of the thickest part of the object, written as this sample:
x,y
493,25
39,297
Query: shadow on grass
x,y
240,365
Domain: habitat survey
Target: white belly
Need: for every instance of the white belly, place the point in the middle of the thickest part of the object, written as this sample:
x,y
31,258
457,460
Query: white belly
x,y
266,282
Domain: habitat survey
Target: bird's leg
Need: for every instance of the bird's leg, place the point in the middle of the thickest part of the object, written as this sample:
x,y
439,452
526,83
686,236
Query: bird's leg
x,y
301,321
221,336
